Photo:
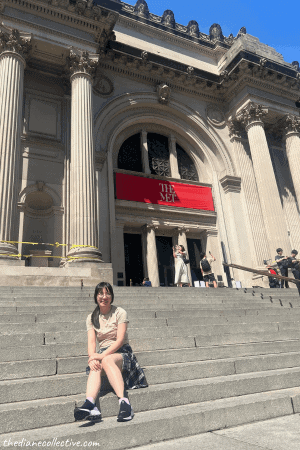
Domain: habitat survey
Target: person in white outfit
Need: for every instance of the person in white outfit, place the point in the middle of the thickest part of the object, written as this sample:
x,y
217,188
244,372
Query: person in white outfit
x,y
181,273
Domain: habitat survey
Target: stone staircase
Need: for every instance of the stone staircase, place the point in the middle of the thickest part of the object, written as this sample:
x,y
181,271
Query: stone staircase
x,y
212,358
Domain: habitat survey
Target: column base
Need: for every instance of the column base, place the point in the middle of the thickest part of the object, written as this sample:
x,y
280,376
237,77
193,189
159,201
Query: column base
x,y
83,257
9,254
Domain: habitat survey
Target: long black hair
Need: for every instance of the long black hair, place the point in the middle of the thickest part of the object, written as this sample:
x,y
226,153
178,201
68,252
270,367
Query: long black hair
x,y
96,312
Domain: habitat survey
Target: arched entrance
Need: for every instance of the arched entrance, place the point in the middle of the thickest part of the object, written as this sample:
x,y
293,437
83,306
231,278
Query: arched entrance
x,y
40,226
192,136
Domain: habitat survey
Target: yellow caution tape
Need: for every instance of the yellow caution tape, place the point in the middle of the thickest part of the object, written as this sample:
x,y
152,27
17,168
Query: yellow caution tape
x,y
56,244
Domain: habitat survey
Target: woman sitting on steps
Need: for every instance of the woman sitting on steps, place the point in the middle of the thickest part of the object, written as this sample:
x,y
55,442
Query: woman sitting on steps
x,y
108,325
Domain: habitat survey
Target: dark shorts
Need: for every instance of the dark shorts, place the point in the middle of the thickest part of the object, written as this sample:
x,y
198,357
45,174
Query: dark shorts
x,y
209,277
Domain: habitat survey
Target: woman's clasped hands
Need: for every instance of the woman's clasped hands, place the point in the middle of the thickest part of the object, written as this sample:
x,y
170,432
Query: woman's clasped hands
x,y
94,362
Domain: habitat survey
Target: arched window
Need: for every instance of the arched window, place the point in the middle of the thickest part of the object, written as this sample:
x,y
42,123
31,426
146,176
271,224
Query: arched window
x,y
158,151
130,157
186,167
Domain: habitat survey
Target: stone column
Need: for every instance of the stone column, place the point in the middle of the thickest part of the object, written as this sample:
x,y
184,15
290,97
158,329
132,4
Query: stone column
x,y
276,230
173,157
183,241
255,226
292,142
13,50
151,254
145,156
57,252
83,217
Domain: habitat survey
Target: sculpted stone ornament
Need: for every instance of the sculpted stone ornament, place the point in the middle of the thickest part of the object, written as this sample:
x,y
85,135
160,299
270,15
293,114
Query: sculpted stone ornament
x,y
236,131
144,56
102,85
251,114
292,124
241,32
295,65
190,70
104,38
82,62
13,42
168,19
193,28
164,93
141,9
215,116
215,32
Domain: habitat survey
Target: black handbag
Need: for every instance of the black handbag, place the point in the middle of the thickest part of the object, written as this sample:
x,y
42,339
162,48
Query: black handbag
x,y
186,261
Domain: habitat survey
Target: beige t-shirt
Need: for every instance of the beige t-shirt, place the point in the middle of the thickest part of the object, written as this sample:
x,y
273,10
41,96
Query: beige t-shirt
x,y
107,334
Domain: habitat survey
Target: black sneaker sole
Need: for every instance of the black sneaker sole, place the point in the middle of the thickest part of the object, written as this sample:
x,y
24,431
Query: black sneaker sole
x,y
83,414
126,419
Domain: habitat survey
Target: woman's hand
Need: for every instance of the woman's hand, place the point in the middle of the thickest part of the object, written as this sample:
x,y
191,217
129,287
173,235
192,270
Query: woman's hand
x,y
95,357
95,365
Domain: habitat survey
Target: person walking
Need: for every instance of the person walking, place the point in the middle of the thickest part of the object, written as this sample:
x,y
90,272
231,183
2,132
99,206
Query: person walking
x,y
108,325
295,266
206,269
181,273
282,263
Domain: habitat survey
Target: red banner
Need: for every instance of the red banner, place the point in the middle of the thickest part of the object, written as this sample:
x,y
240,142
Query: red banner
x,y
159,192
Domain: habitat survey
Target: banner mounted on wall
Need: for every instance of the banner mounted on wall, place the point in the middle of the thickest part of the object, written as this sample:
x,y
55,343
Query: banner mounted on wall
x,y
161,192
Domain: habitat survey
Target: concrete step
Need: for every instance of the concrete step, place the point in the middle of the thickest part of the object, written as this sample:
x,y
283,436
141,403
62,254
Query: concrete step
x,y
31,414
157,357
79,322
158,343
173,371
198,314
159,425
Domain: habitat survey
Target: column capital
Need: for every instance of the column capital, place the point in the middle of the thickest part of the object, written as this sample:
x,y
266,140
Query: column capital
x,y
82,63
251,115
235,130
11,41
149,226
172,138
182,230
291,125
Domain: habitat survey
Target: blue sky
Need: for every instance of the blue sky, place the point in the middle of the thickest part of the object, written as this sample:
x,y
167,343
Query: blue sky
x,y
274,23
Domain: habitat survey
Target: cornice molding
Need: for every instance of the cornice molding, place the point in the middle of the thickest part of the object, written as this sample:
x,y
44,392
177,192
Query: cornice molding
x,y
80,14
167,36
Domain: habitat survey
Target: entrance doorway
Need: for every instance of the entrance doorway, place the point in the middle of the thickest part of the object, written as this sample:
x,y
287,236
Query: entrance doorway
x,y
165,260
133,259
194,249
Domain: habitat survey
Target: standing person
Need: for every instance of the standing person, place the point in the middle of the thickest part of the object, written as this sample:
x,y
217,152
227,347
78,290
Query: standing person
x,y
205,266
295,266
282,263
181,273
108,325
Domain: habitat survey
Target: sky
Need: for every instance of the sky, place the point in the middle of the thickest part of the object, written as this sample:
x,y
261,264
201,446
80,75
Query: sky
x,y
274,23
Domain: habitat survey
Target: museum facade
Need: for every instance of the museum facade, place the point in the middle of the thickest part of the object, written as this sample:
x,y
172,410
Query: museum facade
x,y
124,133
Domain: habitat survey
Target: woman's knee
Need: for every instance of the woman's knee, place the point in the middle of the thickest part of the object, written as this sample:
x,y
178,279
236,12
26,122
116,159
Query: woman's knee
x,y
108,361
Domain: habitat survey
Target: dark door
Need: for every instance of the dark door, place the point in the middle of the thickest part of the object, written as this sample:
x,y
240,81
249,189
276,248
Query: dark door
x,y
194,249
165,260
133,258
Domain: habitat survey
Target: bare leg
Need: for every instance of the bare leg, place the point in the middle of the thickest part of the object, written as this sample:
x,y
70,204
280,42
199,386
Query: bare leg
x,y
207,284
93,384
112,364
215,284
